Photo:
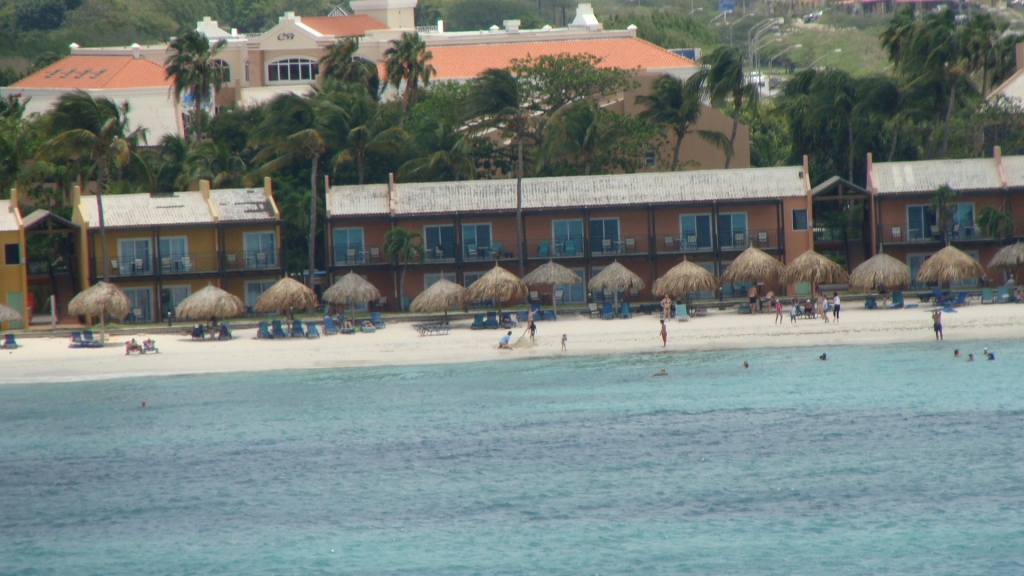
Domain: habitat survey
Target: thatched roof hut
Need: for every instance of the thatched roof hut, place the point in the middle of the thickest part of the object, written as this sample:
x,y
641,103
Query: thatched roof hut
x,y
616,277
441,296
100,299
8,314
1009,258
814,268
351,287
552,273
880,270
949,265
499,285
753,265
683,279
284,295
210,301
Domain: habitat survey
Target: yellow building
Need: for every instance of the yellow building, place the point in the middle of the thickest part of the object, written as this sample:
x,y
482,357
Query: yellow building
x,y
163,247
13,276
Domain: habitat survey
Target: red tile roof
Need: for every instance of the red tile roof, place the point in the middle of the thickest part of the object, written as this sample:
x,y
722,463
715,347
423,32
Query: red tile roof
x,y
82,72
453,62
342,26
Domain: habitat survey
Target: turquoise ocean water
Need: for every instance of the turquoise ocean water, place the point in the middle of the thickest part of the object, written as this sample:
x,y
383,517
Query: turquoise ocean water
x,y
883,460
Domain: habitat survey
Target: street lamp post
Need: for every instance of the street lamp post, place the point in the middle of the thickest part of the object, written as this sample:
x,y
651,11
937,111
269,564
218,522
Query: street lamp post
x,y
784,50
735,22
757,50
827,54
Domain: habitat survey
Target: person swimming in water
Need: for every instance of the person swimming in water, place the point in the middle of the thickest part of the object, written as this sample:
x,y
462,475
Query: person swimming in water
x,y
745,364
824,356
661,372
970,357
956,353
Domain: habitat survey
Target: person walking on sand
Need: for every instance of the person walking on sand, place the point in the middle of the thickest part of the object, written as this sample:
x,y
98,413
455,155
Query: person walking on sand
x,y
824,307
835,306
529,320
664,334
666,308
778,311
564,338
752,297
937,324
792,312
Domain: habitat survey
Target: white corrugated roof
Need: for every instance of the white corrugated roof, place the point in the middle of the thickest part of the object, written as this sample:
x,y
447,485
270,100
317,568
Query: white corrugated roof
x,y
132,210
576,191
242,204
8,223
1013,167
927,175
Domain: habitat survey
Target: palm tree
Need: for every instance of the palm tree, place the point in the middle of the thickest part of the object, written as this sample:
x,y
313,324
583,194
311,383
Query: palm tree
x,y
408,60
942,203
498,102
898,33
402,246
721,81
996,223
341,63
214,162
169,163
296,128
677,105
443,154
981,42
96,132
196,72
582,132
366,132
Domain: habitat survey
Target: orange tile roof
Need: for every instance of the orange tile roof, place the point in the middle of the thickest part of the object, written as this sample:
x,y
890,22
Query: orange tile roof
x,y
342,26
628,53
82,72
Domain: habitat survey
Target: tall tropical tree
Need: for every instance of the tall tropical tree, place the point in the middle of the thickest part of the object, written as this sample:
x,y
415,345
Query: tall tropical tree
x,y
408,60
96,131
366,131
298,129
942,202
676,105
442,153
214,162
341,63
193,66
995,222
582,133
722,82
402,247
499,102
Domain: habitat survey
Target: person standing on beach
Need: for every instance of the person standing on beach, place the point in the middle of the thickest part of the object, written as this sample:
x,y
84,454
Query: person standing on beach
x,y
666,308
529,321
824,307
778,310
664,334
564,338
752,297
835,306
533,330
937,324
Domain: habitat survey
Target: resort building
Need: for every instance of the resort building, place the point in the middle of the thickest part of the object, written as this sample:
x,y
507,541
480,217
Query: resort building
x,y
13,277
648,222
904,221
162,247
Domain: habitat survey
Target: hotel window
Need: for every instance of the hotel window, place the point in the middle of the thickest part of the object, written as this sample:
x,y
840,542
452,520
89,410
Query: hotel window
x,y
140,303
440,242
650,159
476,241
133,256
604,236
799,219
695,232
431,279
572,293
174,254
224,68
732,230
348,246
920,220
292,70
171,296
253,290
260,249
12,254
962,224
567,237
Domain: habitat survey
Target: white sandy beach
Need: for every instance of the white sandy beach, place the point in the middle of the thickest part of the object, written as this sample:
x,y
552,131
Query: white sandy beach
x,y
50,360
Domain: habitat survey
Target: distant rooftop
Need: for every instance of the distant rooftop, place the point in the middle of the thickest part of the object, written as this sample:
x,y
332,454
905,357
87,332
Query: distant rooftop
x,y
927,175
178,208
86,72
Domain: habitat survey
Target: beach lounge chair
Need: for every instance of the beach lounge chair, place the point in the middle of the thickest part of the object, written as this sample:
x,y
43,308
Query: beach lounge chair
x,y
297,331
378,322
224,332
870,303
897,300
1002,294
89,340
987,297
149,345
329,329
940,300
9,343
606,311
492,320
277,330
478,322
594,312
198,332
961,300
263,331
76,340
506,320
548,315
624,311
522,316
367,326
745,309
311,331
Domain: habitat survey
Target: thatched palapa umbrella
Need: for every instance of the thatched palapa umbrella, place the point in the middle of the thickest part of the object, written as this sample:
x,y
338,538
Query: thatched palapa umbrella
x,y
752,265
615,277
499,285
441,295
1009,258
814,268
553,274
880,270
351,288
100,299
285,295
210,301
949,265
683,279
8,314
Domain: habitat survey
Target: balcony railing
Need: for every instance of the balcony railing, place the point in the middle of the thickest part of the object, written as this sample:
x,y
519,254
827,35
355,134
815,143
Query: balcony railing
x,y
192,263
361,254
252,260
618,247
902,234
686,244
127,266
443,252
574,247
504,250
